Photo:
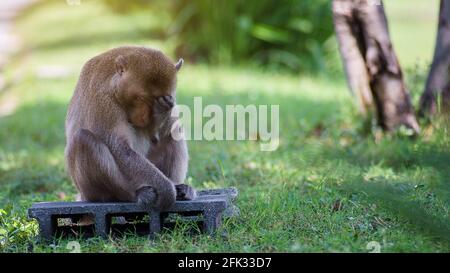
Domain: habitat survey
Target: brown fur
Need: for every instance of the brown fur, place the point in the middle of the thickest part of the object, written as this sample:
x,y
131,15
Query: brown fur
x,y
119,147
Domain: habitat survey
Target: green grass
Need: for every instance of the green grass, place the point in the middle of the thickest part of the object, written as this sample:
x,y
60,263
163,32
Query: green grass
x,y
413,27
329,187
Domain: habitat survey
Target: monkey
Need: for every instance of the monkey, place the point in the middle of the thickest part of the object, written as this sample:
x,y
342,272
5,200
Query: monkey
x,y
119,145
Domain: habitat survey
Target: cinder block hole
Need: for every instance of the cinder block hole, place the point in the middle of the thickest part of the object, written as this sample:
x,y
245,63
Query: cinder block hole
x,y
73,219
78,225
129,218
191,220
136,223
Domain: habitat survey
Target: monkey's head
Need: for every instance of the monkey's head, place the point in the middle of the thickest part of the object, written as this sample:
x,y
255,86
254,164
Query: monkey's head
x,y
141,77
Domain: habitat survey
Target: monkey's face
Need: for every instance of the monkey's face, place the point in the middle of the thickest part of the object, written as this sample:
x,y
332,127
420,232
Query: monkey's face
x,y
145,87
138,99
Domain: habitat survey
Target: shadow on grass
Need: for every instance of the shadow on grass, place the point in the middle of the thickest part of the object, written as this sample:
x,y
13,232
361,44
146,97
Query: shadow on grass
x,y
397,200
29,138
38,126
424,204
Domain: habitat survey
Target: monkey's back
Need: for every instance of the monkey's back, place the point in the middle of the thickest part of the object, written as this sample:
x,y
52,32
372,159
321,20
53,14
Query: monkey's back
x,y
92,100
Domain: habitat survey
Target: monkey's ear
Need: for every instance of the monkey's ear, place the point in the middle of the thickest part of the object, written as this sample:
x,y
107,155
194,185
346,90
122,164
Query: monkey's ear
x,y
121,64
179,64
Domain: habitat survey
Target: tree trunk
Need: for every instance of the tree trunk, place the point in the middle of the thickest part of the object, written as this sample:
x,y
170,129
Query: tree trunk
x,y
372,69
438,84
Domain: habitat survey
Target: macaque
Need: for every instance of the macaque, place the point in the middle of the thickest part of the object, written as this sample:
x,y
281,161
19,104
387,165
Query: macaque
x,y
118,130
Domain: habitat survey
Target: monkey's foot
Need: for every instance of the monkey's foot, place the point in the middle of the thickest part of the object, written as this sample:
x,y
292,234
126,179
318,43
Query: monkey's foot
x,y
185,192
146,197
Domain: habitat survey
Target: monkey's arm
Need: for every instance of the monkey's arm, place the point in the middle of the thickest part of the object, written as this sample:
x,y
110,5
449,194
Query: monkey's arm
x,y
143,174
171,157
170,154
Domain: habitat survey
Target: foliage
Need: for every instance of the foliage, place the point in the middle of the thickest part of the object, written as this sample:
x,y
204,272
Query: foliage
x,y
276,33
292,34
15,230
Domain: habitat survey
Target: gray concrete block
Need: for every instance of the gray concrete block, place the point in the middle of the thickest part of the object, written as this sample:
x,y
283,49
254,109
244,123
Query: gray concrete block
x,y
212,205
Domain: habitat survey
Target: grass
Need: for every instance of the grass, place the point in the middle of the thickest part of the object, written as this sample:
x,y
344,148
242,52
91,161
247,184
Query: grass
x,y
327,188
413,27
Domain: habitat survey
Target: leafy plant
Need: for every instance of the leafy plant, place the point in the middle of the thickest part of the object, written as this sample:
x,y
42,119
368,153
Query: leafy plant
x,y
291,34
15,229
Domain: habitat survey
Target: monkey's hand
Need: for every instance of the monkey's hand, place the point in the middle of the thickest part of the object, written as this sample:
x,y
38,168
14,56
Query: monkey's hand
x,y
146,197
162,119
185,192
164,104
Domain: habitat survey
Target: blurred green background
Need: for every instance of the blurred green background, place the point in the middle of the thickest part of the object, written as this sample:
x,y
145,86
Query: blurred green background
x,y
293,35
331,185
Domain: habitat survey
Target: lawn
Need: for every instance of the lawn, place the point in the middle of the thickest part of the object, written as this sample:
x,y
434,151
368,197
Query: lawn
x,y
329,187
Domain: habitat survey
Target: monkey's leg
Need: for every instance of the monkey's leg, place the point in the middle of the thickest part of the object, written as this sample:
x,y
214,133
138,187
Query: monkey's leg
x,y
94,170
171,157
153,188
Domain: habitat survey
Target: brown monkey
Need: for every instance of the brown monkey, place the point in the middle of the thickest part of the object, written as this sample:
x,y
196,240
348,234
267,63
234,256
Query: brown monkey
x,y
119,145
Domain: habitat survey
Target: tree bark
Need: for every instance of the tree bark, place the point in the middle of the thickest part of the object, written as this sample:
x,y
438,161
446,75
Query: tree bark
x,y
372,69
438,84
